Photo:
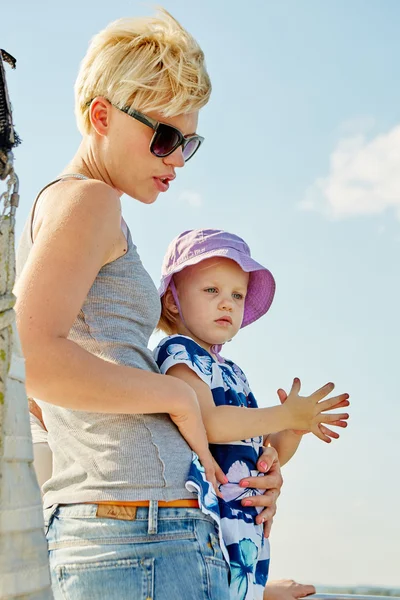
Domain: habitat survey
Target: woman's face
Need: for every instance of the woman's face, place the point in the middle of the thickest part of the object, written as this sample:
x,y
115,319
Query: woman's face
x,y
131,167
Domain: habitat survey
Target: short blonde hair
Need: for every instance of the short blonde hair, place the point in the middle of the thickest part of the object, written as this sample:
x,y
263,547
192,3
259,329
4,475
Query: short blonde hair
x,y
168,322
148,63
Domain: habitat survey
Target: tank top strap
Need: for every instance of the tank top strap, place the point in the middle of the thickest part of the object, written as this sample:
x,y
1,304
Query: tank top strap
x,y
124,226
32,213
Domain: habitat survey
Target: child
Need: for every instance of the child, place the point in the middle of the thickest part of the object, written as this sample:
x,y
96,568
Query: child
x,y
210,288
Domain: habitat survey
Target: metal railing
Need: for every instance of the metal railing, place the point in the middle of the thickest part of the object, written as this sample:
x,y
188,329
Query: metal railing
x,y
350,597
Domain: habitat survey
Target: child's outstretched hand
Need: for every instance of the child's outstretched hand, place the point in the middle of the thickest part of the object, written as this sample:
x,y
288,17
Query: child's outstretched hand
x,y
317,427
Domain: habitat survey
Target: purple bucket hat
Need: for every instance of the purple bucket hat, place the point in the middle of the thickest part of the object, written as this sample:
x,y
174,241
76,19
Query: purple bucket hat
x,y
193,246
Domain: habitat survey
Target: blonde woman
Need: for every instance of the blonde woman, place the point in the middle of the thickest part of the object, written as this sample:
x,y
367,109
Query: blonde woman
x,y
120,522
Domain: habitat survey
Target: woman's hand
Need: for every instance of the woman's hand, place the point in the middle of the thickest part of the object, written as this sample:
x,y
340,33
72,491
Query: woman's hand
x,y
36,411
190,424
271,482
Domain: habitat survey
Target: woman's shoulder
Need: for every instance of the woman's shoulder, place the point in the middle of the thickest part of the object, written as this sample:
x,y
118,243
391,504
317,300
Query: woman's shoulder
x,y
81,212
74,198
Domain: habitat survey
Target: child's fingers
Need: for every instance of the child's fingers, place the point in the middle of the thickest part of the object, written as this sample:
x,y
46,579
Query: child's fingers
x,y
329,432
282,395
331,418
332,403
338,424
319,434
296,385
342,403
323,391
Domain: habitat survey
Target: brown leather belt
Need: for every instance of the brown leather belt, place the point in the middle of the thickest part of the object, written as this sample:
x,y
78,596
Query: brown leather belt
x,y
188,503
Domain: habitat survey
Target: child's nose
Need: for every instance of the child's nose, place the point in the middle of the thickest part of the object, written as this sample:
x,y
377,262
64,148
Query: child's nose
x,y
226,303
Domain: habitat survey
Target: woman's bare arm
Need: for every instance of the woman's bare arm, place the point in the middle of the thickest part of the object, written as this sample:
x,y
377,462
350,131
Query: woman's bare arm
x,y
77,230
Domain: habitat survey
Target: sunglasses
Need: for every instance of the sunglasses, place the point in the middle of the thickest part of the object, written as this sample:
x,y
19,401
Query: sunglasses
x,y
166,139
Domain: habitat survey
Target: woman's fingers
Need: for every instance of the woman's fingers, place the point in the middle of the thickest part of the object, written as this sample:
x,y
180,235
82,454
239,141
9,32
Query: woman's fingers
x,y
267,500
266,515
36,411
267,527
269,482
219,474
268,461
210,476
209,463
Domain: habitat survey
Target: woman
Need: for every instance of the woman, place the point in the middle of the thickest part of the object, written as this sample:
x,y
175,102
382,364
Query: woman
x,y
120,522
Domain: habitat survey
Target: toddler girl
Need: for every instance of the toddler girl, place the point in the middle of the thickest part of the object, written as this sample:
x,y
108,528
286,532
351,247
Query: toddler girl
x,y
210,288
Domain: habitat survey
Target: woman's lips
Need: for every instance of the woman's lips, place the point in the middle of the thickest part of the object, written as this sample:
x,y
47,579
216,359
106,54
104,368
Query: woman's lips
x,y
161,185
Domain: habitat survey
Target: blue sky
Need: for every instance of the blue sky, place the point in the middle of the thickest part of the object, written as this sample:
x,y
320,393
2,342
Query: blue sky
x,y
301,158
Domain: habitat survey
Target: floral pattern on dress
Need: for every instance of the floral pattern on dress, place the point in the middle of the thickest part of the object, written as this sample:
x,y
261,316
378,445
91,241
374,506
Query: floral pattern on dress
x,y
242,540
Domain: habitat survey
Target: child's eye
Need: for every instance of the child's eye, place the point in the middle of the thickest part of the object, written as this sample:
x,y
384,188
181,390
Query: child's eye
x,y
211,290
237,296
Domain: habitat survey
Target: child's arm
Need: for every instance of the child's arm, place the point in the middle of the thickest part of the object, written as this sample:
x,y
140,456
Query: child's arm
x,y
286,442
231,423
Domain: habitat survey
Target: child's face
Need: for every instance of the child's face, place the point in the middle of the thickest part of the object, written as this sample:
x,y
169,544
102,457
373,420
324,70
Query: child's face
x,y
212,297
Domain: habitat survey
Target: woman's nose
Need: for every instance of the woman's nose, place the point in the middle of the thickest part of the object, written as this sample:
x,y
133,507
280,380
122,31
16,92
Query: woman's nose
x,y
175,159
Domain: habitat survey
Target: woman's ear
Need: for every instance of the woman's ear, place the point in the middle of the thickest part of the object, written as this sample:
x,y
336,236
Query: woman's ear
x,y
170,303
99,111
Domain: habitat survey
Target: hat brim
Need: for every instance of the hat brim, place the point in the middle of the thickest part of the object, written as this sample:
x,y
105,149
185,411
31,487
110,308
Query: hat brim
x,y
261,289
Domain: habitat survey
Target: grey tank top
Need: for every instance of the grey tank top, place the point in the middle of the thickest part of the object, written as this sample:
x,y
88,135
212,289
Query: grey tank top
x,y
99,456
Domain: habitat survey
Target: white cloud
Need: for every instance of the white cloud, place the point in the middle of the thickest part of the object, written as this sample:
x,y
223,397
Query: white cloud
x,y
364,178
191,197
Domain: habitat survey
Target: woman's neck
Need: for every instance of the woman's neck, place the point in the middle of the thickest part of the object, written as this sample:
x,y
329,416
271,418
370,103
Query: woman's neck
x,y
87,162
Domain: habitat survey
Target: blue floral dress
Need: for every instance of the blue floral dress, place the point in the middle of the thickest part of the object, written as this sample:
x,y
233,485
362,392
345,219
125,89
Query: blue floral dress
x,y
242,541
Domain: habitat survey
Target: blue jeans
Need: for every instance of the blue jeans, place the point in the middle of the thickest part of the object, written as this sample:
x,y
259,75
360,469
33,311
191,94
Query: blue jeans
x,y
162,554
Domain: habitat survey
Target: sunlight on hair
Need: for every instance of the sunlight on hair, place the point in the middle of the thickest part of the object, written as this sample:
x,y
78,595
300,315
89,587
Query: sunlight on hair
x,y
147,63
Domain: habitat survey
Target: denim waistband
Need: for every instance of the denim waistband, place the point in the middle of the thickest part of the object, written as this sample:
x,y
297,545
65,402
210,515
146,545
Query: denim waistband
x,y
142,512
151,514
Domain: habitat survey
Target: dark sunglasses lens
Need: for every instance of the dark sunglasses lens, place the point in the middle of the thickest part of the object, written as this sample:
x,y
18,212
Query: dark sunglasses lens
x,y
165,140
190,148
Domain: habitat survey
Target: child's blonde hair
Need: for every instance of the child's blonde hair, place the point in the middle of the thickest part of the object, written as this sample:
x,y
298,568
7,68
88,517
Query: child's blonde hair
x,y
148,63
168,322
